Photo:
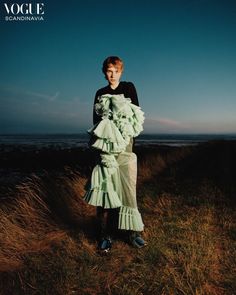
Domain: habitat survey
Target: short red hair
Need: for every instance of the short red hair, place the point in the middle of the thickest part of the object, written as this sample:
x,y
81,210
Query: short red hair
x,y
112,60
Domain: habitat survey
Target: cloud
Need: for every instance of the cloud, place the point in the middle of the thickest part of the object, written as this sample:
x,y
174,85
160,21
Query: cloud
x,y
163,124
167,125
220,126
15,94
43,95
166,122
41,109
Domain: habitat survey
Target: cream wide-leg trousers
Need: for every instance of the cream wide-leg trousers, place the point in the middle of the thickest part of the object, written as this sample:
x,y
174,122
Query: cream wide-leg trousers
x,y
113,185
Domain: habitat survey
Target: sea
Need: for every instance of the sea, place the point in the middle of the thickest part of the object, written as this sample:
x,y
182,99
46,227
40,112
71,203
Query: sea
x,y
69,141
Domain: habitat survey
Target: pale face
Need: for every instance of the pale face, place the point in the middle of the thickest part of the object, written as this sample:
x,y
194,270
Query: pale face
x,y
113,75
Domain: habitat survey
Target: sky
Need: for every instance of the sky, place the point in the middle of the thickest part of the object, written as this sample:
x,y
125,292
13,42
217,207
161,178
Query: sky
x,y
180,55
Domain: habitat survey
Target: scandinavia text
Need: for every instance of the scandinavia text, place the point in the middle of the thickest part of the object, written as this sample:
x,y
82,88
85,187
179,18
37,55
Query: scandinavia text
x,y
24,18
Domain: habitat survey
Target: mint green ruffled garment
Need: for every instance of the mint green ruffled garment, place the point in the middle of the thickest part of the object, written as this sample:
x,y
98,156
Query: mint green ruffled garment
x,y
113,180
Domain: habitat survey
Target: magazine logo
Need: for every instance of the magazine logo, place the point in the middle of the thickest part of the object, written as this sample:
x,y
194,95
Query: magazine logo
x,y
24,11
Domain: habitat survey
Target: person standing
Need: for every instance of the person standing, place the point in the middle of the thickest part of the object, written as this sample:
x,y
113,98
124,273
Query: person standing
x,y
124,215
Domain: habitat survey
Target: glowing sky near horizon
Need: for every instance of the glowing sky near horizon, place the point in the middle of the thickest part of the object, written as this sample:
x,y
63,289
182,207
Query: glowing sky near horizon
x,y
180,54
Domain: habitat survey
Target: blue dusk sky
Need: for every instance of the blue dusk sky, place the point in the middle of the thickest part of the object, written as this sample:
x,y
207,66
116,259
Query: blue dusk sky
x,y
180,54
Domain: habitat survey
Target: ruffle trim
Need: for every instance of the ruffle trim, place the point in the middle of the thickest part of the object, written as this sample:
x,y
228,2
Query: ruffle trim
x,y
121,120
109,161
102,189
107,129
108,137
108,200
109,147
130,219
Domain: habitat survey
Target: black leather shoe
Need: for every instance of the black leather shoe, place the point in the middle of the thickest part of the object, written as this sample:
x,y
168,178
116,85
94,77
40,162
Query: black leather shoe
x,y
105,245
136,240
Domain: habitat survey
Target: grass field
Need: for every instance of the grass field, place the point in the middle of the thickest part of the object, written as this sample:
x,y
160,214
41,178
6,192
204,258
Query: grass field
x,y
187,198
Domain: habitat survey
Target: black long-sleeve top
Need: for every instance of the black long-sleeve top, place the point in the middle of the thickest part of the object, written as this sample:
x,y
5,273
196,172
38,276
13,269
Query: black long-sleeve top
x,y
126,88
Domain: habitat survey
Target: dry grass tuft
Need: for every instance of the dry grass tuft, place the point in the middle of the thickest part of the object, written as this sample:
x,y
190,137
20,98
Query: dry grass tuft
x,y
47,236
28,223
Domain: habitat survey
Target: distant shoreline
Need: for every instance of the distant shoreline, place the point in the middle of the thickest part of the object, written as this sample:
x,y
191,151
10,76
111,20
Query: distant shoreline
x,y
17,162
67,141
